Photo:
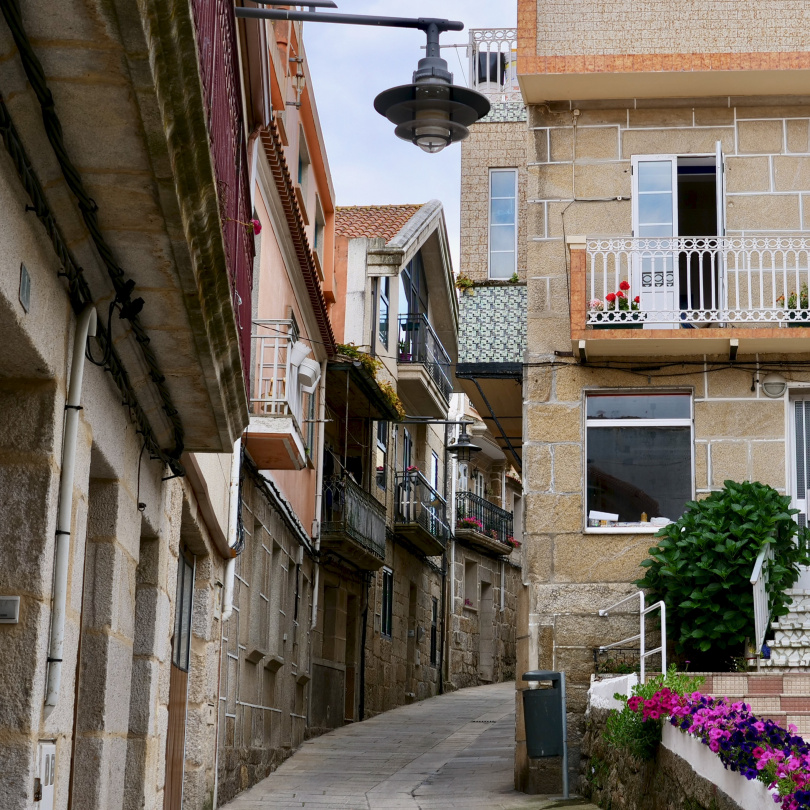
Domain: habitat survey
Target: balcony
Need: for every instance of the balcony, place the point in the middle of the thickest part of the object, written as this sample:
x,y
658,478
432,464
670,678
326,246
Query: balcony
x,y
423,368
493,64
685,295
353,524
420,513
282,388
483,525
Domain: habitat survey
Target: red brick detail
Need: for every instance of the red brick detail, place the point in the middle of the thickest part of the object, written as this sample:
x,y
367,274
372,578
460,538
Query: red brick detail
x,y
764,685
795,704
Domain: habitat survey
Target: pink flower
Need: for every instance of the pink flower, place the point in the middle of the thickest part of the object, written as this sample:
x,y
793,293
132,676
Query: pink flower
x,y
257,226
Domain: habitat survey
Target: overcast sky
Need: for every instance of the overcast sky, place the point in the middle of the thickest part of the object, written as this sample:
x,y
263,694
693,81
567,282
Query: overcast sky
x,y
350,65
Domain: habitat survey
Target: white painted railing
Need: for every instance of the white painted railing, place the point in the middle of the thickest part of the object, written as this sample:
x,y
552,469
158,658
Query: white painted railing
x,y
275,389
641,636
493,63
762,607
698,281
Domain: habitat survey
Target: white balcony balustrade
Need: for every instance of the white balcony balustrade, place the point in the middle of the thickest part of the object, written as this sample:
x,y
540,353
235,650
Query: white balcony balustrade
x,y
281,433
694,282
493,63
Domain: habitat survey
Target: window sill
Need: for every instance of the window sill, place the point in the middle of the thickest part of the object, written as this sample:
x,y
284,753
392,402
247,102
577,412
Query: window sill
x,y
622,529
471,608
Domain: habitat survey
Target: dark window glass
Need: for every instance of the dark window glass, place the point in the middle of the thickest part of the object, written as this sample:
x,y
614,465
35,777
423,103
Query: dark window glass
x,y
182,612
382,454
635,470
387,618
639,406
434,633
385,289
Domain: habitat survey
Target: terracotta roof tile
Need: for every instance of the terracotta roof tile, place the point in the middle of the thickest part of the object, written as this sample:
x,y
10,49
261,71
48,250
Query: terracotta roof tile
x,y
384,221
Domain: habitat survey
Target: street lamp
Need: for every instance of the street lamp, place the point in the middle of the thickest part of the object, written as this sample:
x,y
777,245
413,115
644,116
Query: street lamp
x,y
431,112
463,449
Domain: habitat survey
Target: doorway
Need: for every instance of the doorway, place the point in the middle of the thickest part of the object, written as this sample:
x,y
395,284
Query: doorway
x,y
678,214
799,464
486,633
352,616
178,682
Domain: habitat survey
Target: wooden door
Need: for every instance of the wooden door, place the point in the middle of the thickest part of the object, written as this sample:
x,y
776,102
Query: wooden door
x,y
178,684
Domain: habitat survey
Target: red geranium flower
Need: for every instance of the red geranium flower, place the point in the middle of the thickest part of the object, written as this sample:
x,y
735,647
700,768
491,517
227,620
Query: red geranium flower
x,y
637,300
625,285
610,298
620,294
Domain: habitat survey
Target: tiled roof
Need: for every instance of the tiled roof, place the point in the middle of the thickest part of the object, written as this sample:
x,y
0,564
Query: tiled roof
x,y
384,221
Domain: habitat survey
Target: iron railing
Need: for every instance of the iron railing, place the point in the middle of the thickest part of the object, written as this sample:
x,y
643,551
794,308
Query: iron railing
x,y
475,513
275,391
493,63
418,343
641,636
347,509
762,606
418,502
219,74
698,281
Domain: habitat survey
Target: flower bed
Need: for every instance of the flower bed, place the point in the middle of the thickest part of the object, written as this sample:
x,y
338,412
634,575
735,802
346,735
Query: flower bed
x,y
756,748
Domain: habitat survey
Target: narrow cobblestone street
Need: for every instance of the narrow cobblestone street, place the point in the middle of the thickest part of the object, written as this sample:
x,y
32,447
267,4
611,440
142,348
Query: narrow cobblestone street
x,y
455,750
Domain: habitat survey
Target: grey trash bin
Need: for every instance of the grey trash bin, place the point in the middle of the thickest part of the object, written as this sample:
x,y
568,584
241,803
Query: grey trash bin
x,y
544,718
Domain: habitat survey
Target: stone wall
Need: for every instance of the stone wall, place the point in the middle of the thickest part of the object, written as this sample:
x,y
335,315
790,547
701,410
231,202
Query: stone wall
x,y
614,779
265,664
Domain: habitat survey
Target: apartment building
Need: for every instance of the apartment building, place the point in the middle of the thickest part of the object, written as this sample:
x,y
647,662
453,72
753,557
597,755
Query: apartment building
x,y
653,204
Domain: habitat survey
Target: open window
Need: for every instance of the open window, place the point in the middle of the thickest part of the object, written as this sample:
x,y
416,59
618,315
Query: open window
x,y
678,215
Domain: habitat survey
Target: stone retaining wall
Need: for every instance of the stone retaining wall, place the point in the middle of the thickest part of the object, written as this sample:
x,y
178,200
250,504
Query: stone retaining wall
x,y
617,781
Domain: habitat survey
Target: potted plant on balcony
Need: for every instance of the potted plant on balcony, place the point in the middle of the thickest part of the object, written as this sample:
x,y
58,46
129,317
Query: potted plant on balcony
x,y
610,311
404,354
798,313
470,524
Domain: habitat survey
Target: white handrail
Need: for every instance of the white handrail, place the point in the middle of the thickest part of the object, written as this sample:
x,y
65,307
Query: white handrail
x,y
762,608
641,636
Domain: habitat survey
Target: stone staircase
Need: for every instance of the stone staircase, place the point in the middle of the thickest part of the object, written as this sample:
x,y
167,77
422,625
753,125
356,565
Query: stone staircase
x,y
782,697
790,647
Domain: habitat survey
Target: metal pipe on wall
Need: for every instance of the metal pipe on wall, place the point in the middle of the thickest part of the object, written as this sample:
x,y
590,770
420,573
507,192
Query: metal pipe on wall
x,y
85,327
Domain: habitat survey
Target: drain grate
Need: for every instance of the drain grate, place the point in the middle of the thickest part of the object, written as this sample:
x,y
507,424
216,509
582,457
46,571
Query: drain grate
x,y
483,721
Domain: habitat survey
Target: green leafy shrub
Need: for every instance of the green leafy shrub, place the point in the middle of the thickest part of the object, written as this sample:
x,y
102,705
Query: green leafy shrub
x,y
702,565
626,730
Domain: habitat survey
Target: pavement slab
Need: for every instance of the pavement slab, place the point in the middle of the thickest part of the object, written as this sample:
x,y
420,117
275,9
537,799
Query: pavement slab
x,y
450,751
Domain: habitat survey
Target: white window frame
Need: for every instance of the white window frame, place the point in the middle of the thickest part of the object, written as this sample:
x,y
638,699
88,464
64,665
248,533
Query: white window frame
x,y
690,422
514,173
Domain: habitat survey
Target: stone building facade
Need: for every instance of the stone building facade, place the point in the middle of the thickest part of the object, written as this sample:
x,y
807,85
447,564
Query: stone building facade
x,y
723,121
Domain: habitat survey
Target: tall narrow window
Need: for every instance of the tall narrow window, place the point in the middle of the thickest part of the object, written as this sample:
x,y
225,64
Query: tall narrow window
x,y
434,632
434,471
385,292
502,222
387,617
382,454
407,448
182,612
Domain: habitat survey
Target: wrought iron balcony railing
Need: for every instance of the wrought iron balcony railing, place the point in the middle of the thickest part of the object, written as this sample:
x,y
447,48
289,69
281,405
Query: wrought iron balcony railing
x,y
477,514
418,343
219,74
349,510
493,63
698,281
417,502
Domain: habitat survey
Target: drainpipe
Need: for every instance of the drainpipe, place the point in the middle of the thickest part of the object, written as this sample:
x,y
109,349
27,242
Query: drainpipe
x,y
233,522
85,327
316,523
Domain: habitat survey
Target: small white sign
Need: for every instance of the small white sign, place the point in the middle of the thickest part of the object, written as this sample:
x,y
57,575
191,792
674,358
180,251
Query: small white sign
x,y
9,609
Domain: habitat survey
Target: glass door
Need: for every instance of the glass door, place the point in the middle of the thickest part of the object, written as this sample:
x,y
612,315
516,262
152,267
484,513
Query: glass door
x,y
799,459
655,223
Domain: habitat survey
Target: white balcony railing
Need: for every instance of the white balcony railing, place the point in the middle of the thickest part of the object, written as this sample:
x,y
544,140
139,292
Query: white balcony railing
x,y
493,63
698,281
276,389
